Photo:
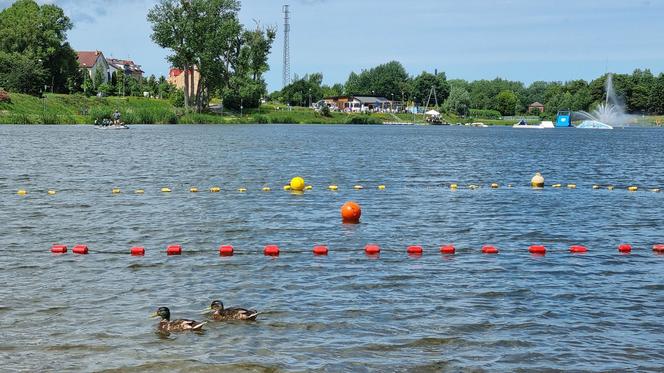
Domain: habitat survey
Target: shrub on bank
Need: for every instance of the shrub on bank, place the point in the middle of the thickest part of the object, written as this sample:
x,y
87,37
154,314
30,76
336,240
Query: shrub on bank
x,y
365,119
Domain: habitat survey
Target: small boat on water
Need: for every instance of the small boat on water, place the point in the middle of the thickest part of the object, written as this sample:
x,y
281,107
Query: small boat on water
x,y
113,127
524,124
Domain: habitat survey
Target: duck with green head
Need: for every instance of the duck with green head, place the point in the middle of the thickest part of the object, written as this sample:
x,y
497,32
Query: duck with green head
x,y
179,325
217,312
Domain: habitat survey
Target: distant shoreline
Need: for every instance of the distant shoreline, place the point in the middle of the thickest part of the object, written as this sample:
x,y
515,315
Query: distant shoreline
x,y
80,110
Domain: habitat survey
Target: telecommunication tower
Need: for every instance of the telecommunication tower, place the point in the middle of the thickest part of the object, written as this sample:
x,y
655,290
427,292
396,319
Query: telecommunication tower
x,y
286,12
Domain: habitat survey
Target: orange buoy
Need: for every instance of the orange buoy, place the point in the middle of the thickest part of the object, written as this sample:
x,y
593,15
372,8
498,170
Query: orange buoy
x,y
137,251
372,249
488,249
414,250
59,249
226,250
537,250
448,250
320,250
351,213
625,248
80,250
271,250
174,250
659,248
578,249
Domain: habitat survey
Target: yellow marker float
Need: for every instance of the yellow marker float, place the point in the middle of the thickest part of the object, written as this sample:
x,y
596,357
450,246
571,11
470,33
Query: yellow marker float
x,y
633,188
52,192
287,188
537,181
610,187
454,186
215,190
571,186
358,187
242,190
139,191
267,189
193,190
166,190
22,192
333,188
556,186
381,187
116,191
297,184
495,186
595,187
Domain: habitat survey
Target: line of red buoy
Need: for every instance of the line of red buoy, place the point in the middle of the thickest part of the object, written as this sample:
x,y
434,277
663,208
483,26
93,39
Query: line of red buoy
x,y
370,249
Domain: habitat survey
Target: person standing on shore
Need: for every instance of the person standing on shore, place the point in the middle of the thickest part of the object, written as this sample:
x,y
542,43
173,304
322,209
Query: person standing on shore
x,y
116,117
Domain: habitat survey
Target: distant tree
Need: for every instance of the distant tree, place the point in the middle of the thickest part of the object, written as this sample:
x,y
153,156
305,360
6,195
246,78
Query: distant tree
x,y
506,102
20,73
298,92
207,35
97,78
458,102
383,80
38,33
423,84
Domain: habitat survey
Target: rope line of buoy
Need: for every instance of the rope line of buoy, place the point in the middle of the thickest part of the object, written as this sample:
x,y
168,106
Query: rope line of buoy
x,y
336,188
370,250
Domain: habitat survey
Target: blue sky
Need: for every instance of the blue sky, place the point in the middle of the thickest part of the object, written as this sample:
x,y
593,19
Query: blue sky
x,y
525,40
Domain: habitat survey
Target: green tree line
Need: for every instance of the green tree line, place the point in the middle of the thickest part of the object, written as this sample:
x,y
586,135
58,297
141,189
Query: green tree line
x,y
641,91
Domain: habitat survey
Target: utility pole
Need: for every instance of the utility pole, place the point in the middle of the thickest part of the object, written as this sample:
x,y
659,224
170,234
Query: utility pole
x,y
286,11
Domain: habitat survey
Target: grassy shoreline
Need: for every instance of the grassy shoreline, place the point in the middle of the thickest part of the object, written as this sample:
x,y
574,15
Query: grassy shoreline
x,y
78,109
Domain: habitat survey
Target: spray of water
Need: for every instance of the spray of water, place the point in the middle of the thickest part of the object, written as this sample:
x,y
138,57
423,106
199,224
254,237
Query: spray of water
x,y
611,111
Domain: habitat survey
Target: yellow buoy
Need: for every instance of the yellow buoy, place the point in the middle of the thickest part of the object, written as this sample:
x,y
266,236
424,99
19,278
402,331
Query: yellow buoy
x,y
381,187
333,188
215,190
473,187
495,186
242,190
166,190
509,185
633,188
266,189
596,187
308,187
454,186
52,192
297,184
358,187
22,192
537,181
571,186
556,186
655,190
139,191
193,190
610,187
287,188
116,191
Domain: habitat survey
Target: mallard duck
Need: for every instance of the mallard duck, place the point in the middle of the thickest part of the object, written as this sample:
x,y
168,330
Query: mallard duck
x,y
219,313
180,325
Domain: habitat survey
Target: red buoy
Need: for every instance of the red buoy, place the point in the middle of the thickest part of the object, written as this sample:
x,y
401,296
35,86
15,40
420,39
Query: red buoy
x,y
226,250
372,249
59,249
174,250
320,250
137,251
271,250
448,250
537,250
415,250
80,250
351,213
625,248
578,249
659,248
488,249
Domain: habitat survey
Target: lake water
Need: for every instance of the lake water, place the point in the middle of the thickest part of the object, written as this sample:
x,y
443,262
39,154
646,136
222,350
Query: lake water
x,y
344,312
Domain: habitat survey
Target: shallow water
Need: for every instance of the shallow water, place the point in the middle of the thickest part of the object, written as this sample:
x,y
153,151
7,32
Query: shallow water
x,y
345,312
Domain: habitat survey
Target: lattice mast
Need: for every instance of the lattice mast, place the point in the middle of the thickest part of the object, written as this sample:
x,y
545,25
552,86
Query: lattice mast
x,y
287,76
